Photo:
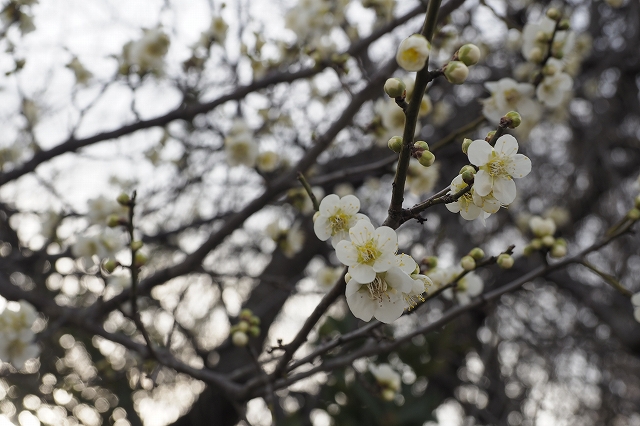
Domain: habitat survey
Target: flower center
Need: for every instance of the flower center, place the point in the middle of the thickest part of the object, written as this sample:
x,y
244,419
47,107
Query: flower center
x,y
368,252
410,55
338,222
378,289
511,95
497,167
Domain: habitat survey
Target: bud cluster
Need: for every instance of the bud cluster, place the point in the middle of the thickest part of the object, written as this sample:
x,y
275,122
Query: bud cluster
x,y
249,325
457,70
544,241
420,151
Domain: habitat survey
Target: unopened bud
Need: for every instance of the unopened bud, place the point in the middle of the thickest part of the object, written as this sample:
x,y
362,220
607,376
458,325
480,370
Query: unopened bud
x,y
542,37
123,199
136,245
536,243
467,168
553,13
505,261
394,87
254,320
514,119
465,144
239,338
468,177
468,263
547,240
564,25
536,55
634,214
421,145
113,220
477,253
558,250
395,144
388,394
456,72
110,265
140,259
490,135
254,331
549,69
528,250
243,326
561,241
427,158
246,314
430,262
469,54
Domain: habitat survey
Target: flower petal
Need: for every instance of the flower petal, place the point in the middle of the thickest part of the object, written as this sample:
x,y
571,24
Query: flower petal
x,y
520,166
504,189
363,274
389,310
471,212
350,204
507,145
453,207
352,288
346,253
328,205
479,152
322,228
483,183
361,232
361,305
387,239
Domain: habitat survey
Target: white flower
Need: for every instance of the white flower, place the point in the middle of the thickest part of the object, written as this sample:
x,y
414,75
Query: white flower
x,y
17,348
241,149
111,242
420,179
463,205
413,52
289,239
327,276
101,208
552,90
336,216
535,38
383,297
498,167
386,376
467,287
17,317
299,198
509,95
442,276
489,204
542,227
148,52
369,251
268,161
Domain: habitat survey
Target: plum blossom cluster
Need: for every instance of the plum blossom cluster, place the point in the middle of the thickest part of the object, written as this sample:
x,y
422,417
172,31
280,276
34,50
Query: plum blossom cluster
x,y
380,282
16,335
146,55
544,240
387,379
493,183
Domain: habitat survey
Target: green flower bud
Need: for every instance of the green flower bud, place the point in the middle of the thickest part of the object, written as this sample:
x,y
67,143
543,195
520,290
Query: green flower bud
x,y
477,253
505,261
136,245
548,240
246,314
123,199
456,72
239,338
465,144
427,158
468,177
113,220
561,241
110,265
394,87
254,320
421,145
528,250
558,251
490,135
634,214
553,13
140,259
430,262
469,54
564,25
254,331
388,394
536,244
243,326
395,144
468,263
514,119
467,168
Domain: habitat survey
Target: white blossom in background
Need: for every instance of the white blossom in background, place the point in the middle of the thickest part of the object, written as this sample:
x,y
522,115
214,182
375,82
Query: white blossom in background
x,y
289,239
147,54
327,276
267,161
384,296
463,205
498,167
542,227
391,118
635,301
387,378
442,276
216,33
80,72
104,245
101,208
536,34
467,287
336,216
49,223
554,88
239,145
421,180
368,251
413,52
16,336
509,95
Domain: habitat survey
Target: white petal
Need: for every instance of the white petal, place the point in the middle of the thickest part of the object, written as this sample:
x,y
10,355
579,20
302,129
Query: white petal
x,y
504,189
472,212
506,145
390,310
350,204
386,261
635,299
483,183
361,305
406,263
361,232
453,207
322,228
352,288
399,280
340,236
363,274
328,205
387,239
347,253
520,166
479,152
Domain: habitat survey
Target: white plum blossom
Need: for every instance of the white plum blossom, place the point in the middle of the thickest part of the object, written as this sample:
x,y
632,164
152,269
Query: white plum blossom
x,y
463,205
509,95
387,378
413,52
384,296
267,161
16,336
327,276
104,245
336,216
489,204
102,207
240,146
542,227
148,53
554,88
498,166
369,251
289,239
535,36
442,276
467,287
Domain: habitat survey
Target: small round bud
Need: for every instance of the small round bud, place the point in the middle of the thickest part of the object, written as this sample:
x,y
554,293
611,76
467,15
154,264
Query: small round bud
x,y
505,261
634,214
395,144
243,326
528,250
535,55
514,119
468,263
113,220
477,253
637,202
123,199
239,338
421,145
561,241
136,245
557,53
388,394
456,72
549,69
246,314
490,135
564,25
394,87
430,262
254,331
254,320
140,259
465,144
110,265
542,37
427,158
468,177
536,243
553,13
467,168
469,54
347,277
548,240
557,251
